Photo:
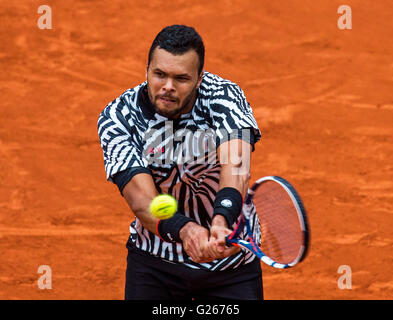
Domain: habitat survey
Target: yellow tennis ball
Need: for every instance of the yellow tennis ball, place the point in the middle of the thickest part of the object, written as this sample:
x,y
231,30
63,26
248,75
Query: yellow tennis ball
x,y
163,206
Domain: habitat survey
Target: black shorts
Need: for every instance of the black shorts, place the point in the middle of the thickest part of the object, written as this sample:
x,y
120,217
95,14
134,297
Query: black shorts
x,y
150,278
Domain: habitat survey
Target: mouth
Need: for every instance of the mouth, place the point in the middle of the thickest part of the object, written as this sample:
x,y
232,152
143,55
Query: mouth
x,y
167,100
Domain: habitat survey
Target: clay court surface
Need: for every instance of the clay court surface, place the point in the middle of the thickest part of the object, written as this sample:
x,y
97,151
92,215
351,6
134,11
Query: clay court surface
x,y
323,98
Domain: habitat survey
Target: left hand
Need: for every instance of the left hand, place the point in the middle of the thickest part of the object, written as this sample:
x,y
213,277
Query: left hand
x,y
217,244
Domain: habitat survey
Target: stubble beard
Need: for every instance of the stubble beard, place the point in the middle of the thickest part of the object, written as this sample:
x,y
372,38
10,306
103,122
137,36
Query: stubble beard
x,y
173,113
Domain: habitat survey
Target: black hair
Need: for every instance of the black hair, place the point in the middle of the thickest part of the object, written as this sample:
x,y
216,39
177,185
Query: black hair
x,y
179,39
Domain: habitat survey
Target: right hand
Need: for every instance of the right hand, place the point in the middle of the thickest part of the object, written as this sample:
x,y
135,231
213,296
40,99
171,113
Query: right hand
x,y
195,242
218,232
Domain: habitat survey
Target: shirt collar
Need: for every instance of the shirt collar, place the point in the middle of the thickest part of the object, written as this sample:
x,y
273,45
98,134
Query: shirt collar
x,y
148,109
145,103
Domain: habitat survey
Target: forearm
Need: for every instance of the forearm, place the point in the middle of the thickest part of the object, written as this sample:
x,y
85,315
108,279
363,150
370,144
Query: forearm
x,y
139,202
231,176
139,193
235,156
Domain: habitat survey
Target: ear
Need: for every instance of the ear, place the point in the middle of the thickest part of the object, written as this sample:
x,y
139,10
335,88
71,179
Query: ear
x,y
200,79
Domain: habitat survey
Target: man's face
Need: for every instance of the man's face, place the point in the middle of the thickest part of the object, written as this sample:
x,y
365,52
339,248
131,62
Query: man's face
x,y
173,81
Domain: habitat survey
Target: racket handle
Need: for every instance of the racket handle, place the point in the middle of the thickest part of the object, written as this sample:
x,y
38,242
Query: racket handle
x,y
229,242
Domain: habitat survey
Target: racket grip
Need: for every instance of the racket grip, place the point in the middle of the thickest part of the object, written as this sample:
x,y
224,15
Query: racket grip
x,y
229,242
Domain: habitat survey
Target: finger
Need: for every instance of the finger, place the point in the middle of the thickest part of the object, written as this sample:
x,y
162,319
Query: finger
x,y
196,246
221,242
212,250
209,252
203,250
192,248
220,247
231,251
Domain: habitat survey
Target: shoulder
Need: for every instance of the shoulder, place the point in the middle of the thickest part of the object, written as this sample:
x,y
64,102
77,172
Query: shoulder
x,y
220,91
214,84
130,96
124,107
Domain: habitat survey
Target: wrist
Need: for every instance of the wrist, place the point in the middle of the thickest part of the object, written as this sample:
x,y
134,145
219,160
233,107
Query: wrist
x,y
219,221
228,203
169,229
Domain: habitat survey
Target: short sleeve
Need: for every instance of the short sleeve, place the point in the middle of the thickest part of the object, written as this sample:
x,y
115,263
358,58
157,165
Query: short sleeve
x,y
120,140
232,116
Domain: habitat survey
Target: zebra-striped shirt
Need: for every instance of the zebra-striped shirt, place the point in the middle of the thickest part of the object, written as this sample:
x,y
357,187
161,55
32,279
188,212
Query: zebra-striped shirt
x,y
179,154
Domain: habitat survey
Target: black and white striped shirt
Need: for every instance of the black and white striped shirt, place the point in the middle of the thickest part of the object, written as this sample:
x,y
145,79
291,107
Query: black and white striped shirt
x,y
179,154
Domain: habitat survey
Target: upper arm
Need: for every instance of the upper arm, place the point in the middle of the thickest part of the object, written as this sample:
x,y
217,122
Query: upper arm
x,y
236,132
232,116
234,157
120,139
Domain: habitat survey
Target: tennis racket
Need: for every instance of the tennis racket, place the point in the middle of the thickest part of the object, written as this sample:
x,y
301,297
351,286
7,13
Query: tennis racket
x,y
283,236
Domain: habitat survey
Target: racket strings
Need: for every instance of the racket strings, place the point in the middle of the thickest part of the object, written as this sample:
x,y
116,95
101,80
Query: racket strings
x,y
281,234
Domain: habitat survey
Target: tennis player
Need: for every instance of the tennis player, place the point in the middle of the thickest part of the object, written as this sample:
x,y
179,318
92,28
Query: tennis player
x,y
187,133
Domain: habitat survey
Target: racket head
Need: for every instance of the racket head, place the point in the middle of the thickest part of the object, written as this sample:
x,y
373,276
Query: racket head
x,y
284,229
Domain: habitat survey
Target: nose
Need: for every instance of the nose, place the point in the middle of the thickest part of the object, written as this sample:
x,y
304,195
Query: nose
x,y
168,85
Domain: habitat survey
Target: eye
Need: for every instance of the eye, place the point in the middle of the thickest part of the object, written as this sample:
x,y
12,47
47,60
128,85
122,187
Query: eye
x,y
182,79
159,74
